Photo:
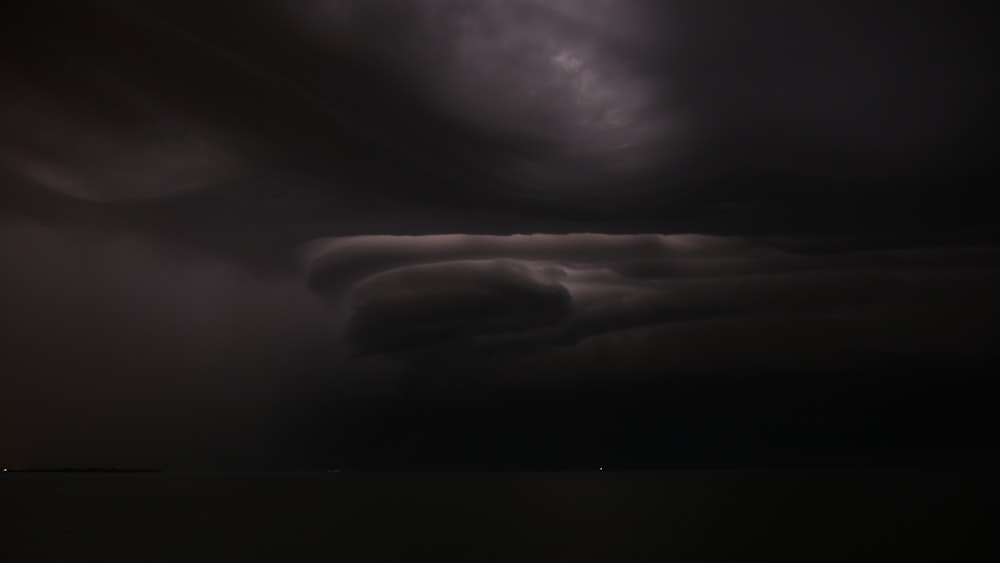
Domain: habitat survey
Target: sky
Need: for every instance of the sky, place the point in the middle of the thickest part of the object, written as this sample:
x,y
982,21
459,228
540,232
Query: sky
x,y
496,234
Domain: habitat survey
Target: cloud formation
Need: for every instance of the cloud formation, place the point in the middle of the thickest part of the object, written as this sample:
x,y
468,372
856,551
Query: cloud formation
x,y
455,294
342,217
454,301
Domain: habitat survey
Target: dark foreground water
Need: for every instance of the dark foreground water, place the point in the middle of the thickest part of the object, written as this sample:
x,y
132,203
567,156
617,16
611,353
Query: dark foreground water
x,y
663,516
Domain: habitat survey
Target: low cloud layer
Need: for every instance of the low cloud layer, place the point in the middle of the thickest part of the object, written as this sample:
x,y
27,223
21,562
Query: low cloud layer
x,y
437,296
454,301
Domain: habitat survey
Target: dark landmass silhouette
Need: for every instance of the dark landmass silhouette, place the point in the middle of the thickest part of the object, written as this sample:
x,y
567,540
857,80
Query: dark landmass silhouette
x,y
87,470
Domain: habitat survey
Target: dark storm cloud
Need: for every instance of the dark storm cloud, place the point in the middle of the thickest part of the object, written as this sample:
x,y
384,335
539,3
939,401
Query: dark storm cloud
x,y
528,293
551,109
163,166
819,97
350,257
77,155
453,301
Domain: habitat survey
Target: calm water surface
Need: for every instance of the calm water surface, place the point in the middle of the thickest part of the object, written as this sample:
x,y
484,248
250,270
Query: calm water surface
x,y
517,517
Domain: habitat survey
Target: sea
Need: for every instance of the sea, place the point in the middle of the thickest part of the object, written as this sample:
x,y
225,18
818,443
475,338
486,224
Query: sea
x,y
600,516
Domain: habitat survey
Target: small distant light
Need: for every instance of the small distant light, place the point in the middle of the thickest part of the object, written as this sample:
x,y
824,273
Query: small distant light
x,y
4,469
602,469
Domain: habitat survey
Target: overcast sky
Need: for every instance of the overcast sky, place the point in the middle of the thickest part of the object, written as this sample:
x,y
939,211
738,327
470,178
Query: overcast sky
x,y
510,233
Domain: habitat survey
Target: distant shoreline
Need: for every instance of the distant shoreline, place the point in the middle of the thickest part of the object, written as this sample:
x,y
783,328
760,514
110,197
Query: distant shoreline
x,y
85,470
